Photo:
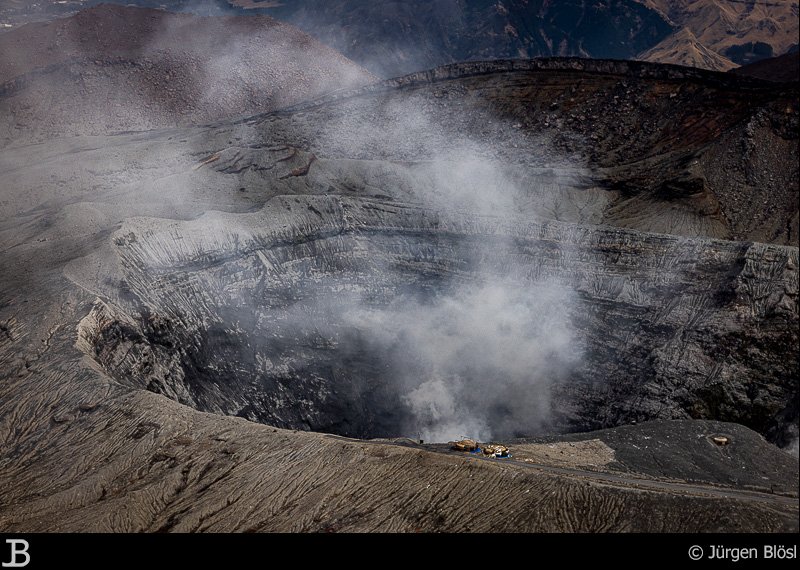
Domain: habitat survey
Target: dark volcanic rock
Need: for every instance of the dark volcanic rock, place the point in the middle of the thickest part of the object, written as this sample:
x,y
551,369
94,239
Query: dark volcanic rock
x,y
781,69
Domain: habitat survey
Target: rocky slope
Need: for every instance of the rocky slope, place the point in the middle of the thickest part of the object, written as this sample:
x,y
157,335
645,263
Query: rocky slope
x,y
782,69
683,48
114,68
172,469
660,148
377,263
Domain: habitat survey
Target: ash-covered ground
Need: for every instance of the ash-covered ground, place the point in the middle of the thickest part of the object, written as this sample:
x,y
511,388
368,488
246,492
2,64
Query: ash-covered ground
x,y
195,320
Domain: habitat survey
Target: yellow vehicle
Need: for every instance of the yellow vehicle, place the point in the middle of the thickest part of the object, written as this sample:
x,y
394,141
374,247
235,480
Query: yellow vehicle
x,y
465,445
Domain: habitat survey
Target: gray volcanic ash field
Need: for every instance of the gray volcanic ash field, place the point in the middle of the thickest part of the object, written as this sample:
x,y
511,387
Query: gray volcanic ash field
x,y
248,325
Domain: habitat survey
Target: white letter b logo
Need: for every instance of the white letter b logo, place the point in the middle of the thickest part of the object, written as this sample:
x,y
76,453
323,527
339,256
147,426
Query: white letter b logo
x,y
19,549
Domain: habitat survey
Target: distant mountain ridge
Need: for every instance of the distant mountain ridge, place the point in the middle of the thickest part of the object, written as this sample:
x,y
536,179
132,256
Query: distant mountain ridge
x,y
711,34
738,31
395,38
392,38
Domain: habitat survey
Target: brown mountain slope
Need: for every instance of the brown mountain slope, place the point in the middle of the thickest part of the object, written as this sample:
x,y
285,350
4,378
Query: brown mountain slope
x,y
122,68
742,31
682,48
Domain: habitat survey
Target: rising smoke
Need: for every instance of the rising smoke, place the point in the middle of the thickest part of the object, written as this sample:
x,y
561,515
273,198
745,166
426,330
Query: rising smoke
x,y
482,353
479,354
480,360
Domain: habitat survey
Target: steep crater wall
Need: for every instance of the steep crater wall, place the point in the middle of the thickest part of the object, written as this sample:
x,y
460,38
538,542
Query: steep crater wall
x,y
294,316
